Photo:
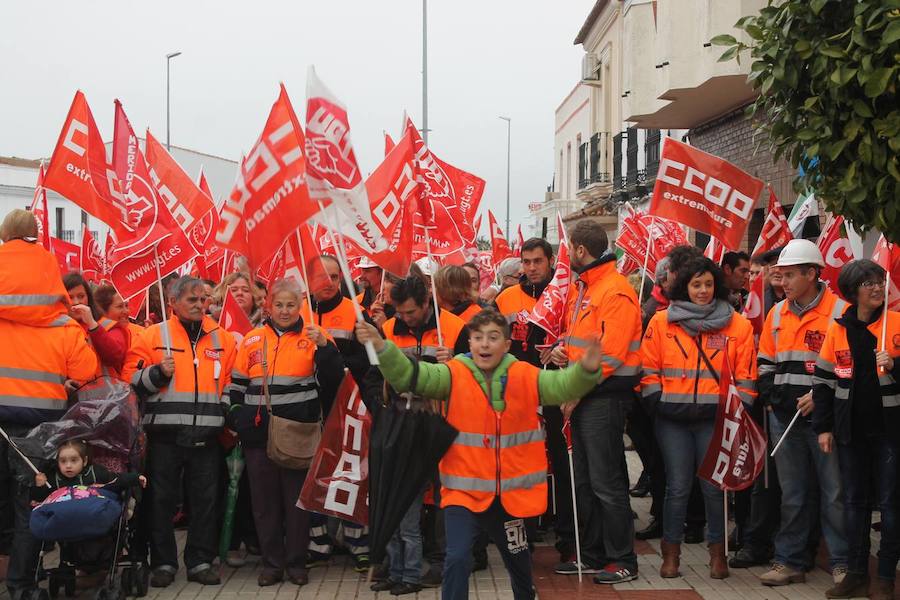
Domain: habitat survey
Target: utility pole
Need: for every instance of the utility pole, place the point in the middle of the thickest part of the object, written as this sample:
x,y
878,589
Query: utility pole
x,y
425,71
169,58
508,148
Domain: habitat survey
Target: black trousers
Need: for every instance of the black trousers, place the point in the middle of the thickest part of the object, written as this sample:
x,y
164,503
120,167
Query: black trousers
x,y
202,465
559,460
640,430
23,557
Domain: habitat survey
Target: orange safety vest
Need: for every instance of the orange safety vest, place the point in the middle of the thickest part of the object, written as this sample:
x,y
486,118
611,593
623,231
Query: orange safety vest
x,y
473,309
496,453
677,375
515,305
339,322
834,366
604,304
427,346
196,394
789,346
31,288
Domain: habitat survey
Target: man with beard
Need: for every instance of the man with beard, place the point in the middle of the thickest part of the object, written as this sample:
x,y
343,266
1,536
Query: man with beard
x,y
515,303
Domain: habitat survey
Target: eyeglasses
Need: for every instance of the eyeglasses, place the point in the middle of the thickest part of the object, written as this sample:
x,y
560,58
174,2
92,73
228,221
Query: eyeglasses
x,y
873,284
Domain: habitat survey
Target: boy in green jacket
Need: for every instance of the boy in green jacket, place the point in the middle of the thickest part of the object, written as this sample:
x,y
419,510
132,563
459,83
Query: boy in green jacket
x,y
495,473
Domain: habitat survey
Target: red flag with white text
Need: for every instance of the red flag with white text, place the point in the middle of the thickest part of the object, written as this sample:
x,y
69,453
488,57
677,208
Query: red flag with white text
x,y
499,246
775,231
270,198
835,249
40,211
233,318
156,245
338,480
704,192
550,310
79,172
68,255
487,273
93,262
887,255
737,451
109,250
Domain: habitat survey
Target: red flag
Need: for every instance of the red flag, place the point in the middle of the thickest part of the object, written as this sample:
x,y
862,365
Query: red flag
x,y
333,172
715,251
388,143
567,433
270,198
477,225
487,272
79,172
737,451
753,308
704,192
520,240
499,245
156,245
233,318
550,310
835,249
110,249
191,207
887,255
92,262
338,479
67,255
40,212
775,231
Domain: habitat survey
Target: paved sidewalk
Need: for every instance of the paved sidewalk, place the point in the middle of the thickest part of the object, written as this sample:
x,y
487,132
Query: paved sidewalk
x,y
338,581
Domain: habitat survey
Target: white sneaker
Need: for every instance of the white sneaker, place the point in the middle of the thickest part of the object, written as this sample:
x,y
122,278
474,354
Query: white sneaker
x,y
781,574
838,574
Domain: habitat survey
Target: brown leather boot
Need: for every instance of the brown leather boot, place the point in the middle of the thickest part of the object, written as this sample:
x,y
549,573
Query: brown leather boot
x,y
718,564
671,554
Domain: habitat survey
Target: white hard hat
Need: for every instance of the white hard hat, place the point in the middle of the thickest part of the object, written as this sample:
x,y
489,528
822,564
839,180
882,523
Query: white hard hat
x,y
800,252
429,266
366,263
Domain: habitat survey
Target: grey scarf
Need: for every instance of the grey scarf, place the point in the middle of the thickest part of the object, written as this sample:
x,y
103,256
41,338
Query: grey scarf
x,y
699,318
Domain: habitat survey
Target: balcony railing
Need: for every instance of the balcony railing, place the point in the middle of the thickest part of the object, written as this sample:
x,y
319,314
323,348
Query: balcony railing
x,y
631,173
593,160
618,180
68,235
651,152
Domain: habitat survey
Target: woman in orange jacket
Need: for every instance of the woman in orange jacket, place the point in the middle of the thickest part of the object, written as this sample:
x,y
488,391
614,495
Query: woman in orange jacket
x,y
684,348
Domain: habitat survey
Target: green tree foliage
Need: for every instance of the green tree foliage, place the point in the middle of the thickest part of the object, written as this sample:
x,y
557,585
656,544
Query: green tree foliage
x,y
827,75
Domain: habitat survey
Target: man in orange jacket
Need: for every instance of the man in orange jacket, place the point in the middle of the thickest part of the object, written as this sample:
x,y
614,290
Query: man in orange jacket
x,y
181,368
604,304
44,353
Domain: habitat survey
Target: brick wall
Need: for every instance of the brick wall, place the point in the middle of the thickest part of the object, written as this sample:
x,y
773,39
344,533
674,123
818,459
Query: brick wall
x,y
731,137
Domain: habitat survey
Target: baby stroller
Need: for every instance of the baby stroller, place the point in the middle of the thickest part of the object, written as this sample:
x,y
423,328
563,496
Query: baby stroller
x,y
92,524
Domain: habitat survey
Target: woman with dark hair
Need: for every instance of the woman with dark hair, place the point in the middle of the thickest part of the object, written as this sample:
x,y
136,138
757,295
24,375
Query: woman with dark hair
x,y
684,350
856,395
108,338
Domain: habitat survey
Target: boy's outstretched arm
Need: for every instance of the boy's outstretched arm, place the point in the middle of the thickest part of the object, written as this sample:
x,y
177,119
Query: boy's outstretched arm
x,y
433,380
570,384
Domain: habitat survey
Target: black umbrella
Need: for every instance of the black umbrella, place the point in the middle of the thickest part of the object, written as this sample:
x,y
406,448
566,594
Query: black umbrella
x,y
404,450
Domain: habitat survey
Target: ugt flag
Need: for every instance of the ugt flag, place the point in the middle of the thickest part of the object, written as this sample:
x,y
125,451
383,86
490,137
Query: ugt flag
x,y
704,192
550,309
338,479
737,450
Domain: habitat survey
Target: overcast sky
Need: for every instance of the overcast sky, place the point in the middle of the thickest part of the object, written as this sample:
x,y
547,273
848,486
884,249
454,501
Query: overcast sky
x,y
485,58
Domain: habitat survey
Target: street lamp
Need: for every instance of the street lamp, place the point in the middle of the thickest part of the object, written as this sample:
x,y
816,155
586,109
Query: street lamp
x,y
169,58
508,133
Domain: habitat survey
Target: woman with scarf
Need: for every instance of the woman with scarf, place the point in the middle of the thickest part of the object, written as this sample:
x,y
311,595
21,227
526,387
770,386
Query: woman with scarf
x,y
856,395
684,350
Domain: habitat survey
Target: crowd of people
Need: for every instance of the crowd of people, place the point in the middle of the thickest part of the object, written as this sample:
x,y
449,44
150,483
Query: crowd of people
x,y
650,371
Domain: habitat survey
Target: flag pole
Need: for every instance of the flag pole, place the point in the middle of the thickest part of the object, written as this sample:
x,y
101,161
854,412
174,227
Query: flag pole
x,y
434,300
162,303
646,261
575,513
766,431
725,498
338,245
884,312
303,266
786,432
15,447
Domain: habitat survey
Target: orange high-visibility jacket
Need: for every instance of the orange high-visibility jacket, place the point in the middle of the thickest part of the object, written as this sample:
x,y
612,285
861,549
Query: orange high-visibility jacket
x,y
467,310
426,346
835,374
191,405
678,383
788,348
603,304
496,453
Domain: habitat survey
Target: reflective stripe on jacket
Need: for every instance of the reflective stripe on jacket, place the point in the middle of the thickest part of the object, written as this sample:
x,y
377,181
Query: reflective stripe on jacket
x,y
192,404
496,453
424,347
677,382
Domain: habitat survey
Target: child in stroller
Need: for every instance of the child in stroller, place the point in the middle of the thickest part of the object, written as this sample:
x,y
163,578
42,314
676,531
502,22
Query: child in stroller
x,y
86,507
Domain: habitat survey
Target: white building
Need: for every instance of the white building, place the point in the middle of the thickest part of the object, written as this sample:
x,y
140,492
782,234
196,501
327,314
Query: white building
x,y
18,178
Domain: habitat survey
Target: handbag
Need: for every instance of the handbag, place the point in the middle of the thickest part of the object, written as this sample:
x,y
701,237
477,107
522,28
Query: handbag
x,y
290,444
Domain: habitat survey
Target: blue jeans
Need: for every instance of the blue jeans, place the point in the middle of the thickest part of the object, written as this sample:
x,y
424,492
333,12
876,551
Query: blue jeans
x,y
683,446
405,548
508,534
802,465
864,464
